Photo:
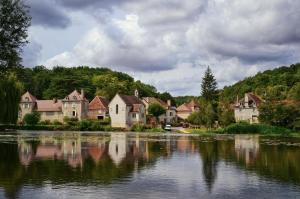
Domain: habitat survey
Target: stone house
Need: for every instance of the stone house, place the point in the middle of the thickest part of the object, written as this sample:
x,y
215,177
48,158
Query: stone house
x,y
98,108
125,111
169,116
246,109
75,105
186,109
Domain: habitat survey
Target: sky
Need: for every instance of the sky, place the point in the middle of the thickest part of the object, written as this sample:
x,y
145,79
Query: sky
x,y
166,43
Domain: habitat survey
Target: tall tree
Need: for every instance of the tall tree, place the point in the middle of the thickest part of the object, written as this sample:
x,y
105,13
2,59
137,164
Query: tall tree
x,y
14,22
209,86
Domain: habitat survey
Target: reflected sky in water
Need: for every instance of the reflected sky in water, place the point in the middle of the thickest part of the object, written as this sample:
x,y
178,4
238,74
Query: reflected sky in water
x,y
132,165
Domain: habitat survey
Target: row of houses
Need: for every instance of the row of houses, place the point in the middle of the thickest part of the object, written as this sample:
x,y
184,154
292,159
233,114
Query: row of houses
x,y
123,110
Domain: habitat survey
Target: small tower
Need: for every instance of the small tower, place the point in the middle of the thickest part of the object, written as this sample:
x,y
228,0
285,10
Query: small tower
x,y
136,93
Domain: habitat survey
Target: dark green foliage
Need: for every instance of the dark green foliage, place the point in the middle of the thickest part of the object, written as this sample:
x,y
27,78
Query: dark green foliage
x,y
279,114
245,128
138,128
209,87
60,81
14,21
165,96
10,94
32,118
156,110
225,114
196,118
183,99
278,84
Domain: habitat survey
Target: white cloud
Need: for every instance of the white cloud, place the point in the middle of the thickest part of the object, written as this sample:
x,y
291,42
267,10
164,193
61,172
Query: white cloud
x,y
170,43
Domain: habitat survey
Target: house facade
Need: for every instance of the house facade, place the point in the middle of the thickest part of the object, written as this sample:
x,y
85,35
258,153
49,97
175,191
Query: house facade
x,y
169,116
98,108
246,109
186,109
125,111
75,105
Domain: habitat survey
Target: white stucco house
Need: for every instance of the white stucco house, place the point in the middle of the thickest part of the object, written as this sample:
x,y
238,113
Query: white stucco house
x,y
126,110
246,109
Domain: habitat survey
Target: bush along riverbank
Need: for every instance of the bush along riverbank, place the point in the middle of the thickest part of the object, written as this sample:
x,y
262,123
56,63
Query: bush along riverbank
x,y
74,125
245,128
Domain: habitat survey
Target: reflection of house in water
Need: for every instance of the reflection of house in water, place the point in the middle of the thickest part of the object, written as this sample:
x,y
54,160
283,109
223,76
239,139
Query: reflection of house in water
x,y
185,145
117,147
247,147
25,152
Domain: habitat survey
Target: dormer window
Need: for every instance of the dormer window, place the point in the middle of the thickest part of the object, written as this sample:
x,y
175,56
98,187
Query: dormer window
x,y
27,99
67,98
74,98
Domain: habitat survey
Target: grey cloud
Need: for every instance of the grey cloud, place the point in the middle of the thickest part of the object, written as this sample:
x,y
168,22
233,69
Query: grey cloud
x,y
48,14
31,54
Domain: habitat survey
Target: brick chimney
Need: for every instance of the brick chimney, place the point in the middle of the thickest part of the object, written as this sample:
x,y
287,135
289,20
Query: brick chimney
x,y
169,103
82,93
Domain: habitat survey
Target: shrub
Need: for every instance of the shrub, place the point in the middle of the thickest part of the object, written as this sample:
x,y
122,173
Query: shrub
x,y
32,118
56,122
85,125
138,128
245,128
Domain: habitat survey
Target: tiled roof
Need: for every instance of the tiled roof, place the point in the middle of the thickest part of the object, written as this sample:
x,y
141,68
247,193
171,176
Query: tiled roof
x,y
188,107
99,103
49,105
75,95
153,100
130,100
28,95
257,100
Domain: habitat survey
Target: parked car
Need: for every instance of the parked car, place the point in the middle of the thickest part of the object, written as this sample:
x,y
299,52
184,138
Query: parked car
x,y
168,127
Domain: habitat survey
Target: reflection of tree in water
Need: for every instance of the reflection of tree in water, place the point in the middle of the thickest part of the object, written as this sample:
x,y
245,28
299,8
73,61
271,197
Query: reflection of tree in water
x,y
209,155
98,167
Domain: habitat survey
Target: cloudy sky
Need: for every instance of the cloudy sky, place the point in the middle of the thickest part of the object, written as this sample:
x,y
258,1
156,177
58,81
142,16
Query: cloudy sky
x,y
166,43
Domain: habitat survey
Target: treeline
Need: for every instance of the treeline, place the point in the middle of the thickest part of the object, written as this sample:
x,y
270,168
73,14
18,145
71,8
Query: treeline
x,y
58,82
282,83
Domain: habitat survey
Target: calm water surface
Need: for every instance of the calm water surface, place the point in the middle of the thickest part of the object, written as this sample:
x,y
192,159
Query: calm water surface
x,y
131,165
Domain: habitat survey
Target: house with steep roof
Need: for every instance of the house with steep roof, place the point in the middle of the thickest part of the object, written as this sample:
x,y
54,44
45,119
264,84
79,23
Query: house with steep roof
x,y
186,109
75,105
98,108
169,116
126,110
246,109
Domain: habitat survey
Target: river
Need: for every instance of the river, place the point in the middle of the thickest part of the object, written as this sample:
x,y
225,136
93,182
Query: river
x,y
147,165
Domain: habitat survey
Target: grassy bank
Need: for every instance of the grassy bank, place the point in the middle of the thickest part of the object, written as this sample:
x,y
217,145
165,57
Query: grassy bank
x,y
244,128
84,125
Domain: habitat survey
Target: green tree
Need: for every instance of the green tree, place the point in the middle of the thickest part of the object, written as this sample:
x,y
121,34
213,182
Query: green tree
x,y
196,118
209,115
156,110
226,114
32,118
10,95
14,22
294,93
209,87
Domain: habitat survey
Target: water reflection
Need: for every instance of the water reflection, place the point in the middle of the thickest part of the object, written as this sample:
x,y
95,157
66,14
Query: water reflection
x,y
118,158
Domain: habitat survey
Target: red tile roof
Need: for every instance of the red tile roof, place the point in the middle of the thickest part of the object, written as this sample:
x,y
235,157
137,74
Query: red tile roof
x,y
153,100
99,103
49,105
188,107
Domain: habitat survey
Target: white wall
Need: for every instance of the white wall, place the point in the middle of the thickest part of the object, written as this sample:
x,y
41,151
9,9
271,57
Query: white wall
x,y
120,119
246,114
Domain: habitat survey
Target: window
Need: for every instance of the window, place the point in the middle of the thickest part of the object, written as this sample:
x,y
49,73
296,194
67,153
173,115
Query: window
x,y
26,106
117,109
142,115
171,114
65,105
27,99
133,115
73,105
74,113
74,98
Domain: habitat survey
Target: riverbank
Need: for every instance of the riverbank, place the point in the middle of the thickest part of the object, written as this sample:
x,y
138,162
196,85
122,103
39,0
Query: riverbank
x,y
244,128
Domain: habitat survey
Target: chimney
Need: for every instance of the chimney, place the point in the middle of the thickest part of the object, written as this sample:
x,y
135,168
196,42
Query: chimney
x,y
169,103
82,93
136,93
54,100
246,100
